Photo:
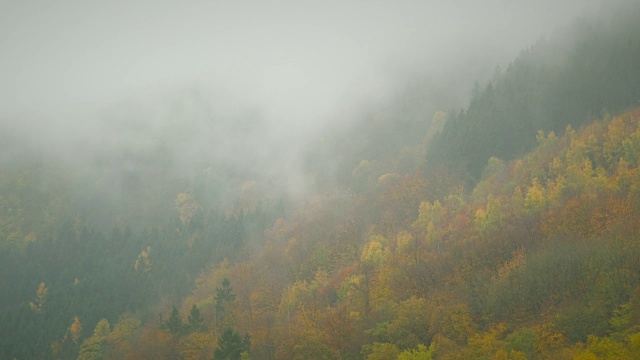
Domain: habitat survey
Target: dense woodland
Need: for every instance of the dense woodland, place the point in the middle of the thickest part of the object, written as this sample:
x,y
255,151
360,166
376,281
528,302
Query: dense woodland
x,y
506,230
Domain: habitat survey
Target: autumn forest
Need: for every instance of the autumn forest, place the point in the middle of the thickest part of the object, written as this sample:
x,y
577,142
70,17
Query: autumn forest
x,y
505,228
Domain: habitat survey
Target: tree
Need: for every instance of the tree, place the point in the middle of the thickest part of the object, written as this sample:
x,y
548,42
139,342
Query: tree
x,y
605,348
382,351
143,263
224,294
304,338
231,345
634,307
121,336
187,206
421,353
195,321
410,326
196,346
41,298
174,323
75,329
453,321
93,348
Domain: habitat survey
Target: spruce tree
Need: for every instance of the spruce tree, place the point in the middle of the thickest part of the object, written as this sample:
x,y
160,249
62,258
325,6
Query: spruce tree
x,y
231,345
174,323
195,321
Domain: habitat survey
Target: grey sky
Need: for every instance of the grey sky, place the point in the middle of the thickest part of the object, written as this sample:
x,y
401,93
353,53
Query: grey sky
x,y
292,58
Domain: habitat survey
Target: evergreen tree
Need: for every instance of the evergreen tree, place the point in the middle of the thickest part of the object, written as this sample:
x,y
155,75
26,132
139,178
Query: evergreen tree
x,y
224,294
174,323
195,320
231,345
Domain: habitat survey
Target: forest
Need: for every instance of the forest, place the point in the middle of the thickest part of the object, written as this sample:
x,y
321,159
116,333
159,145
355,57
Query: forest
x,y
505,229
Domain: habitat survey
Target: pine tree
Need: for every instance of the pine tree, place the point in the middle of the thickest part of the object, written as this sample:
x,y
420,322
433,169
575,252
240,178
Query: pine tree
x,y
174,323
224,294
195,320
231,345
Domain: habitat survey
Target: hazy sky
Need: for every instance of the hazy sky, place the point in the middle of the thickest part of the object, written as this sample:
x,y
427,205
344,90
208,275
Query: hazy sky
x,y
292,58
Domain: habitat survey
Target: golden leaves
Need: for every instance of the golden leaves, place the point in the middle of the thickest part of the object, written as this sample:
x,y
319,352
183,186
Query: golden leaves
x,y
75,329
186,206
41,298
143,263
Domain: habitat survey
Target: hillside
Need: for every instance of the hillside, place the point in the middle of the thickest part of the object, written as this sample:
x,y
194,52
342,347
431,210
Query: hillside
x,y
540,260
507,230
573,77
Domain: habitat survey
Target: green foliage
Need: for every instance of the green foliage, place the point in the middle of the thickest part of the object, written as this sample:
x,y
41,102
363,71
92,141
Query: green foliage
x,y
195,321
231,346
93,348
634,307
580,322
381,351
174,323
224,293
103,263
410,326
421,353
454,321
605,348
523,340
547,87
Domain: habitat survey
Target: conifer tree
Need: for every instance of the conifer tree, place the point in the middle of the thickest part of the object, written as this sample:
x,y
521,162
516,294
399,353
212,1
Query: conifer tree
x,y
195,320
174,323
231,345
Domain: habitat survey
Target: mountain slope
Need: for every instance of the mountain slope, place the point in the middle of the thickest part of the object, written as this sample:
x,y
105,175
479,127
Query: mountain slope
x,y
573,78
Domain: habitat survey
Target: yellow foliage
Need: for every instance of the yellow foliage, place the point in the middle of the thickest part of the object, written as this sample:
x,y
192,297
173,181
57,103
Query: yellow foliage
x,y
485,220
428,212
480,218
143,263
404,240
421,353
535,199
549,339
388,179
75,329
555,189
487,343
501,354
453,321
197,345
634,343
380,291
187,206
93,347
517,261
41,298
123,329
383,351
605,348
374,252
517,355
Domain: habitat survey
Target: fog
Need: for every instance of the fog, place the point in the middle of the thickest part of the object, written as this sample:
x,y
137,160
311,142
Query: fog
x,y
290,57
246,83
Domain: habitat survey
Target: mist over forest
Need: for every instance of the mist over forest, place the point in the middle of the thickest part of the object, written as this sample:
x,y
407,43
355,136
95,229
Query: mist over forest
x,y
249,85
331,180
